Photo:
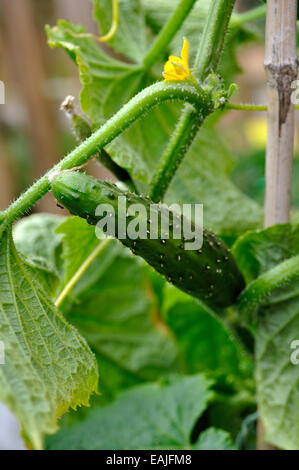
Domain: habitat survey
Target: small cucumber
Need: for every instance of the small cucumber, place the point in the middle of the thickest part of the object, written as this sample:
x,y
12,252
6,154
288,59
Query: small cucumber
x,y
210,274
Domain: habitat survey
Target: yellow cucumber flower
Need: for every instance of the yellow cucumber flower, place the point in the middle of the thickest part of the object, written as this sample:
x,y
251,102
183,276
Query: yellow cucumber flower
x,y
177,68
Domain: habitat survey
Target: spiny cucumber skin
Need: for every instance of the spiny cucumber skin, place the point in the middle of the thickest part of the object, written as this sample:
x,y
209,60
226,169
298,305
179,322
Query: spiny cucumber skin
x,y
209,274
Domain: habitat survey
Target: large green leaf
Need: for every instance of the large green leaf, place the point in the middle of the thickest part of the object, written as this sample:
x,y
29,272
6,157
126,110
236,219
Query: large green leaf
x,y
270,305
258,251
79,240
107,85
207,345
214,439
204,176
48,366
130,38
35,237
153,416
47,277
103,77
273,301
157,13
116,309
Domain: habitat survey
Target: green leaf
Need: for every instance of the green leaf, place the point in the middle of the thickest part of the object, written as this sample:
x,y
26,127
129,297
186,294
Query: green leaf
x,y
47,277
79,241
272,303
206,344
229,411
153,416
104,78
205,174
130,37
35,237
204,177
157,13
107,85
116,309
48,366
261,250
277,377
214,439
260,291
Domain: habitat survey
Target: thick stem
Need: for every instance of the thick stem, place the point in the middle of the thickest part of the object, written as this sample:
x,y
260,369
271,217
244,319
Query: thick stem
x,y
281,69
213,37
208,57
180,141
134,109
168,32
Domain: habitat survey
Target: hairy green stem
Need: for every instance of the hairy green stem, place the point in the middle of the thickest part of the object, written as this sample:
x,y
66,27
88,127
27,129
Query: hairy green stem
x,y
245,107
180,141
249,107
207,60
168,32
213,37
135,108
261,288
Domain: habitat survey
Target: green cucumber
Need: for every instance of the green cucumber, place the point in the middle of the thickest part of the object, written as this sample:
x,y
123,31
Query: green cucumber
x,y
210,273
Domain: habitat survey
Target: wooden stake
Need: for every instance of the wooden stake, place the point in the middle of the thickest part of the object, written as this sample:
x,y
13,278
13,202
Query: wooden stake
x,y
281,68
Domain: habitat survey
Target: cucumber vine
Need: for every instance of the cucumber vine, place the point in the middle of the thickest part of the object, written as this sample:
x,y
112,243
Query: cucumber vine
x,y
211,280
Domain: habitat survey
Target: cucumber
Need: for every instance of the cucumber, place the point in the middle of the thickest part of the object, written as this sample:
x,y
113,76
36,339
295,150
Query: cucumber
x,y
209,274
